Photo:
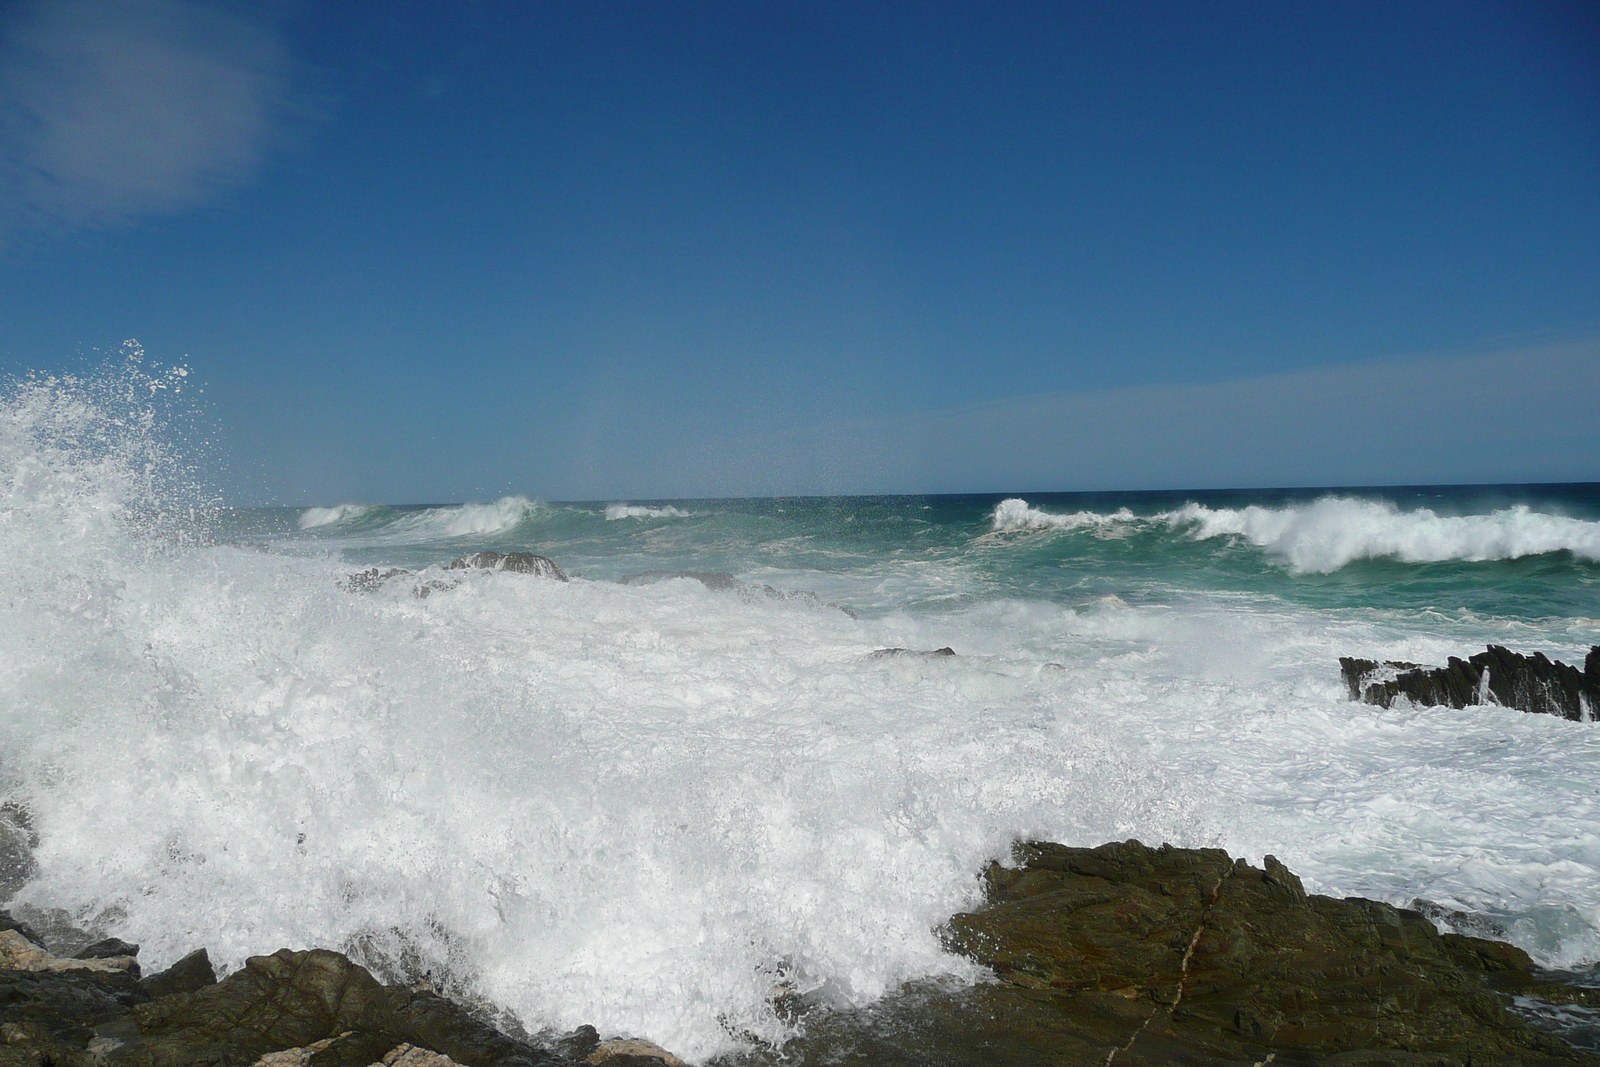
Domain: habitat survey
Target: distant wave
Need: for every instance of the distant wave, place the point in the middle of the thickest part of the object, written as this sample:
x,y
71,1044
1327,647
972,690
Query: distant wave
x,y
1016,514
312,518
1327,534
467,520
636,511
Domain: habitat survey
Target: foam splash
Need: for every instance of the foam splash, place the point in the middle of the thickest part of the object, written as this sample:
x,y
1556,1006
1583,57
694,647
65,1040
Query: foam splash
x,y
638,511
1331,532
645,806
1016,514
316,518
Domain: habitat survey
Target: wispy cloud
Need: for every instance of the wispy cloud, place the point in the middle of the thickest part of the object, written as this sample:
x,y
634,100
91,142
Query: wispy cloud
x,y
111,110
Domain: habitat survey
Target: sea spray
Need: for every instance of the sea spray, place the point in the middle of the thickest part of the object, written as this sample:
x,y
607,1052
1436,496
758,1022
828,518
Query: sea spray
x,y
651,806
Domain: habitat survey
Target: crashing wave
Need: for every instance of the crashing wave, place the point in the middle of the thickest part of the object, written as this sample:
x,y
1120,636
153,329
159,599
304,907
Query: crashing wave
x,y
1016,514
639,511
466,520
314,518
1329,533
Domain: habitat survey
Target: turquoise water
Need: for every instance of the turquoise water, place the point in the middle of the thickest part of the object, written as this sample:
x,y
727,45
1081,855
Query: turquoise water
x,y
1148,556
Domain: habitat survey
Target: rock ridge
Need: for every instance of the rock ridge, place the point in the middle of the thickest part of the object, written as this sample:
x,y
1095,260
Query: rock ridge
x,y
1533,683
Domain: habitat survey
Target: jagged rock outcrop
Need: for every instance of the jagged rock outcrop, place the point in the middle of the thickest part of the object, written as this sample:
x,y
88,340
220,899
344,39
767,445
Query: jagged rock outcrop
x,y
293,999
517,562
1532,683
189,975
1128,955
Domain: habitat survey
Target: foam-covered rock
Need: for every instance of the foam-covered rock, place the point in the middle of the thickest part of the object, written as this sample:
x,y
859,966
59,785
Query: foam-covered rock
x,y
516,562
1533,683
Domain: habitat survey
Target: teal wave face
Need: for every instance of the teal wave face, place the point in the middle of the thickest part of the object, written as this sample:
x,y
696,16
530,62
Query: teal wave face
x,y
1531,552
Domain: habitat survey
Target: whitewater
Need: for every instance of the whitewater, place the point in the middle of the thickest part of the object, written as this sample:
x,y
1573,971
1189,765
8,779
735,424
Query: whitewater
x,y
652,796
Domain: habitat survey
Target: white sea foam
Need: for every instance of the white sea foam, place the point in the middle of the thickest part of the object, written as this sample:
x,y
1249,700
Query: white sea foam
x,y
1016,514
1329,533
313,518
643,806
639,511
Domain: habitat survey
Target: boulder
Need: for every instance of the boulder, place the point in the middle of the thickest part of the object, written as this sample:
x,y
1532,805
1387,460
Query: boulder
x,y
632,1052
517,562
1137,956
1532,683
107,948
193,972
292,1000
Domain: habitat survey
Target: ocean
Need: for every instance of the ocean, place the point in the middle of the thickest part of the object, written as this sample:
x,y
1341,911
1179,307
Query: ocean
x,y
648,797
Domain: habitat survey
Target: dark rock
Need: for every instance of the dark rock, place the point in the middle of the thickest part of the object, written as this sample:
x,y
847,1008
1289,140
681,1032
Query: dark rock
x,y
1497,675
371,579
518,562
891,653
578,1044
1128,955
107,948
58,1014
294,999
8,923
193,972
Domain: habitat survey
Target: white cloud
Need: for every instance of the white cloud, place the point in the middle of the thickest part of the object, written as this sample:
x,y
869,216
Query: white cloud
x,y
115,109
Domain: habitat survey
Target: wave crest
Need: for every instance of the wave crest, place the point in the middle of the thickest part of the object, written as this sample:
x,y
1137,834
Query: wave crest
x,y
638,511
313,518
1331,532
1016,514
468,520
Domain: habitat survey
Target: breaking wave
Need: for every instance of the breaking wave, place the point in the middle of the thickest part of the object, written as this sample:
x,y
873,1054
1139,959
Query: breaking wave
x,y
465,520
1327,534
1330,533
315,518
638,511
1015,514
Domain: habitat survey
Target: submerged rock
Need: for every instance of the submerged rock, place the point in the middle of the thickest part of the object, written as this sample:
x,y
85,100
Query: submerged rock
x,y
1532,683
517,562
894,653
1129,955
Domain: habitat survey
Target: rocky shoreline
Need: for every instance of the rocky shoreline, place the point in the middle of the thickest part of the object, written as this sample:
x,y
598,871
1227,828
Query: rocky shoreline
x,y
1120,954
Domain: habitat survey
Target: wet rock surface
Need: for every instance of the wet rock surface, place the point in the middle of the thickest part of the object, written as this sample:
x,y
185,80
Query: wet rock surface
x,y
1128,955
516,562
1533,683
1121,955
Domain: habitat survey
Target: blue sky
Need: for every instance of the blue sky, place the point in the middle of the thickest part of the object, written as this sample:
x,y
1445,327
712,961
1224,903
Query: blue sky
x,y
448,250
